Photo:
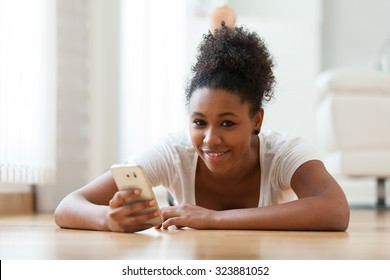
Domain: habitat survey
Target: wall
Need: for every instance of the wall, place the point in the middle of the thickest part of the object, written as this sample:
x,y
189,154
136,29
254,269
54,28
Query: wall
x,y
87,94
291,30
354,32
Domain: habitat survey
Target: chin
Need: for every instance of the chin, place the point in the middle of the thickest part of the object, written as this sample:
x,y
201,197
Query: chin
x,y
219,169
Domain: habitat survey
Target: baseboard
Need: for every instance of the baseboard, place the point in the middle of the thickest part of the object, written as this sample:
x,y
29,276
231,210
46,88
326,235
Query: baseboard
x,y
16,203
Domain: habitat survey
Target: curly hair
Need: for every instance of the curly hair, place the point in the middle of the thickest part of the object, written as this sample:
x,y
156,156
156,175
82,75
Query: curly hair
x,y
235,60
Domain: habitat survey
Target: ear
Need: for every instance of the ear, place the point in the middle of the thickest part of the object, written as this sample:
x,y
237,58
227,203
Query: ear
x,y
258,120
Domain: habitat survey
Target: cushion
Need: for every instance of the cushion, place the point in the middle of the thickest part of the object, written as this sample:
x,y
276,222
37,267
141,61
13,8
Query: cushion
x,y
375,163
353,80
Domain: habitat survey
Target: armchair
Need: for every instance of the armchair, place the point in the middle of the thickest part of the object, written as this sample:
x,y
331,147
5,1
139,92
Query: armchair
x,y
353,124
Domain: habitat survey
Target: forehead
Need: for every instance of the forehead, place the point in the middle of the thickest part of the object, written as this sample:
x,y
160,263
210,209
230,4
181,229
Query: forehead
x,y
216,100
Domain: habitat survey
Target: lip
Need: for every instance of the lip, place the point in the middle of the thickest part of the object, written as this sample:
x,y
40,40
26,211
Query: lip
x,y
215,156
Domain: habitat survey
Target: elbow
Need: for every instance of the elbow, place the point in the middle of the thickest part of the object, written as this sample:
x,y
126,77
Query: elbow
x,y
343,213
58,216
333,216
61,214
340,217
343,221
64,213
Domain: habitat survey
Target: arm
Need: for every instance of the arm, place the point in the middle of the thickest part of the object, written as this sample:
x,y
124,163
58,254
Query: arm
x,y
321,205
100,206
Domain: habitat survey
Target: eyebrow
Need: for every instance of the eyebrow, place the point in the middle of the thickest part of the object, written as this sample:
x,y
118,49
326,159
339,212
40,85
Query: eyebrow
x,y
225,114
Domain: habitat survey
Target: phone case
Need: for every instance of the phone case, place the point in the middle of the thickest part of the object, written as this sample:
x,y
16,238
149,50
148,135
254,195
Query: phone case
x,y
129,176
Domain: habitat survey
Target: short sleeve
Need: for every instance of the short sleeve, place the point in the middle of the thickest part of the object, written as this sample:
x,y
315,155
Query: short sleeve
x,y
291,155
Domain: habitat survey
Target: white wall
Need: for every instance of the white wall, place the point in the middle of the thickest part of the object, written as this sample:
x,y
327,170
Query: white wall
x,y
87,95
291,30
103,68
354,32
72,103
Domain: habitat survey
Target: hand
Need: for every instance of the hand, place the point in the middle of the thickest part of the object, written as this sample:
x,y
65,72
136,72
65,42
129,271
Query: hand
x,y
125,217
187,215
223,13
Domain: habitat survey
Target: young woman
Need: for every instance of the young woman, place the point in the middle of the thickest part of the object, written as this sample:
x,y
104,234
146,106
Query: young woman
x,y
225,173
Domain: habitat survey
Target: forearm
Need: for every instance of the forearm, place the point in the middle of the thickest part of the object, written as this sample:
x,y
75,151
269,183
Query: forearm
x,y
85,216
311,213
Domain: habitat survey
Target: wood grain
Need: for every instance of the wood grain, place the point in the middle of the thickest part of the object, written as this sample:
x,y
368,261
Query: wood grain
x,y
37,237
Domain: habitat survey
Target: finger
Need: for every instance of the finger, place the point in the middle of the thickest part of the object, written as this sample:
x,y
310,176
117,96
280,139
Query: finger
x,y
144,206
135,213
176,221
167,213
130,223
138,219
120,197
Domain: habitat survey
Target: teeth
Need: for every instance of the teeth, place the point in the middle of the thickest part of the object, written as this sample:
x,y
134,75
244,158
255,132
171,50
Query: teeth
x,y
214,154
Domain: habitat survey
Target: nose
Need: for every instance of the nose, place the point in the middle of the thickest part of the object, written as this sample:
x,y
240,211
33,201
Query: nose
x,y
212,137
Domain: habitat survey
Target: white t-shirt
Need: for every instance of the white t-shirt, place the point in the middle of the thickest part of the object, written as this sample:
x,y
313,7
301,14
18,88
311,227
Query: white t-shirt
x,y
172,162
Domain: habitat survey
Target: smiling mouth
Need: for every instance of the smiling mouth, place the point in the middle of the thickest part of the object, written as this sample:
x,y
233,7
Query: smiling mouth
x,y
214,155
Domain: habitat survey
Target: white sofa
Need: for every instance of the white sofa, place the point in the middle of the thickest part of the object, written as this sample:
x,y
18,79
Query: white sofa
x,y
353,124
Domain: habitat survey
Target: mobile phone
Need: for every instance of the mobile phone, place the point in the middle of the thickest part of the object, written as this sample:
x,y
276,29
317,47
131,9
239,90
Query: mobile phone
x,y
132,176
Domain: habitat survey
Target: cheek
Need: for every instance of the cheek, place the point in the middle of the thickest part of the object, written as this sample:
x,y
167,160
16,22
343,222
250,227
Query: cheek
x,y
240,143
196,137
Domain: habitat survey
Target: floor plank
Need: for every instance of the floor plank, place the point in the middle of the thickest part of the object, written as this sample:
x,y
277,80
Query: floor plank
x,y
37,237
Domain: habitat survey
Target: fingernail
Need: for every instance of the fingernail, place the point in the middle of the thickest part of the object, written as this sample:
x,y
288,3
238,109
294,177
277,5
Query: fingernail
x,y
136,191
152,202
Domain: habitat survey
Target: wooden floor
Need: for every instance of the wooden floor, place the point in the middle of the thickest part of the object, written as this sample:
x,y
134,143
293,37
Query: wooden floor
x,y
37,237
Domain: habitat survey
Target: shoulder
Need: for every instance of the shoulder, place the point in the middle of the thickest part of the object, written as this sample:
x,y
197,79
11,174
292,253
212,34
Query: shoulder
x,y
280,144
175,146
180,138
166,148
179,141
283,155
273,141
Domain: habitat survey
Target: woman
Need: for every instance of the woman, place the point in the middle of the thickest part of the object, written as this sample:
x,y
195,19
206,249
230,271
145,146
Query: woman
x,y
225,173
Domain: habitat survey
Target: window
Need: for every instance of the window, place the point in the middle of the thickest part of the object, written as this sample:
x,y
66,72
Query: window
x,y
27,91
152,72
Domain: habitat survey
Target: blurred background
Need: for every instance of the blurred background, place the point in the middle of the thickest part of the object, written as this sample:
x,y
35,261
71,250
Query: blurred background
x,y
86,83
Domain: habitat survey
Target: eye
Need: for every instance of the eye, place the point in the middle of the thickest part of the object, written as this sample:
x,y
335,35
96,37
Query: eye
x,y
227,123
199,123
